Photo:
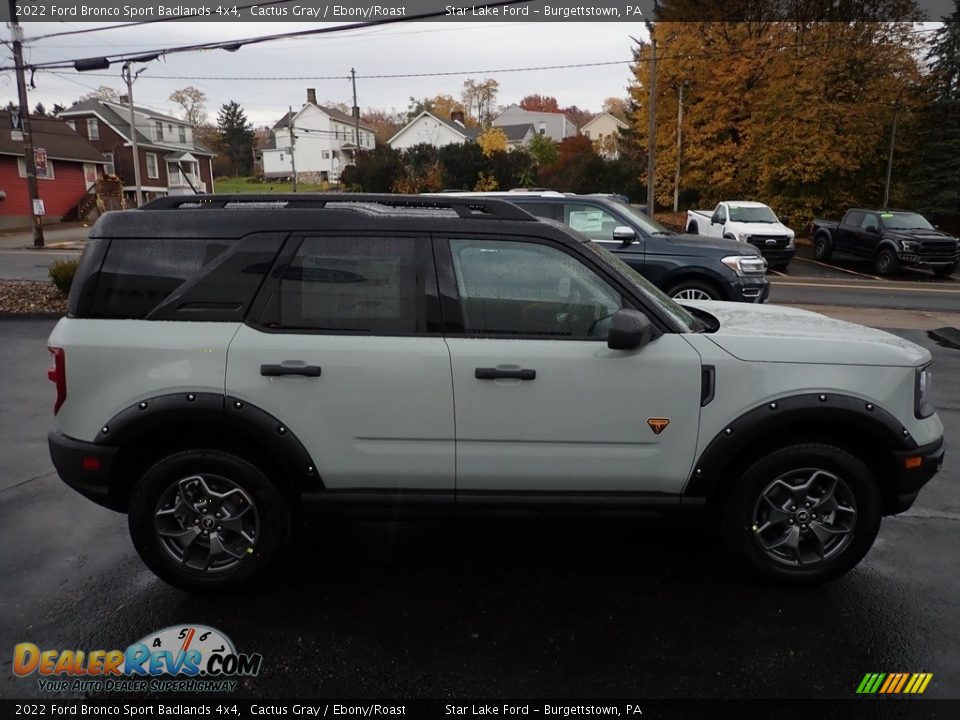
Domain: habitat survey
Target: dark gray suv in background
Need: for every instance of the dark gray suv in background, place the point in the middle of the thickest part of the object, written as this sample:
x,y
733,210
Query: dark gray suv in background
x,y
686,267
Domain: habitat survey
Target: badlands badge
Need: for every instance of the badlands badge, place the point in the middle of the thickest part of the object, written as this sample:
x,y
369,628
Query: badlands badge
x,y
658,425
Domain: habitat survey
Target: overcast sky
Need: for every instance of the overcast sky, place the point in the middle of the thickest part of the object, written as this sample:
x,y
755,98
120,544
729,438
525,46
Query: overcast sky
x,y
402,48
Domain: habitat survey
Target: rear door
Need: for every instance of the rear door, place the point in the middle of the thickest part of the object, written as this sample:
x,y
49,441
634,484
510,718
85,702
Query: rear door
x,y
347,353
846,234
542,404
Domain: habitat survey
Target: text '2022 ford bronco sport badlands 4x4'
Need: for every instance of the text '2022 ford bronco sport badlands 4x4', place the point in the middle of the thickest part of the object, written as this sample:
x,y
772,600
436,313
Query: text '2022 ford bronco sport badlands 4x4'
x,y
229,361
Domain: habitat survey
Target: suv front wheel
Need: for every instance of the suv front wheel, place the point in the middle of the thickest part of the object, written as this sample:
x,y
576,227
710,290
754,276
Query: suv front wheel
x,y
207,520
806,513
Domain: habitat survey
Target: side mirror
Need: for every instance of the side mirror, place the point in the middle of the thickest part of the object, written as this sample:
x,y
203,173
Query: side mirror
x,y
630,329
872,229
715,219
624,234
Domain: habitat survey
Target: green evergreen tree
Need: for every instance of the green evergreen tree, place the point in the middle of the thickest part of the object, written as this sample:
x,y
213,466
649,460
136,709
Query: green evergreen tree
x,y
237,137
934,186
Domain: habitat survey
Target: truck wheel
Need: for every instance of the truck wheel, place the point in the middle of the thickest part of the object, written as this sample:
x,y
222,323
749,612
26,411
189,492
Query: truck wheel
x,y
822,247
887,262
945,271
694,290
206,520
806,513
693,229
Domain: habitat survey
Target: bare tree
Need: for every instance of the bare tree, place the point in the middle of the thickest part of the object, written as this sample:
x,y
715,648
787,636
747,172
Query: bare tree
x,y
192,102
480,98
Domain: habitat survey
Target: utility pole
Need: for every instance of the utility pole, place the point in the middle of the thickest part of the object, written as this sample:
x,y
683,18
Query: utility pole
x,y
676,178
893,138
29,159
652,124
356,110
129,77
293,147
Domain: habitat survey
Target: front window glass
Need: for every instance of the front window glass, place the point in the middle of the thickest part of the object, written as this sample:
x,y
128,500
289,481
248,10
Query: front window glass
x,y
738,213
528,289
641,220
869,220
905,221
686,321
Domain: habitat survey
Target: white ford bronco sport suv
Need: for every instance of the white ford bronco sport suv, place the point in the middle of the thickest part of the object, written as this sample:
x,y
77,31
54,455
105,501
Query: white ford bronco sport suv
x,y
230,362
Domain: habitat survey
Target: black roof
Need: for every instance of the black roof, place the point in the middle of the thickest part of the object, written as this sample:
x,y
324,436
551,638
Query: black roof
x,y
234,216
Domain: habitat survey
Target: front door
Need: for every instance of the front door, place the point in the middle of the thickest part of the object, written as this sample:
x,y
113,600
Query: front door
x,y
542,404
350,361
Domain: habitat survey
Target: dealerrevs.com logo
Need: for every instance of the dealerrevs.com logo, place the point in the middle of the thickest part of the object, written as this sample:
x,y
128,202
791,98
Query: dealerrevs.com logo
x,y
180,658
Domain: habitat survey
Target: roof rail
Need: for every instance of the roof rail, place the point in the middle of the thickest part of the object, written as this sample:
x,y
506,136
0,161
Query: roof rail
x,y
468,207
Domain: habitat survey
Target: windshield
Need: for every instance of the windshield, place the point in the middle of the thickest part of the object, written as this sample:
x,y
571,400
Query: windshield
x,y
645,222
681,317
752,214
905,221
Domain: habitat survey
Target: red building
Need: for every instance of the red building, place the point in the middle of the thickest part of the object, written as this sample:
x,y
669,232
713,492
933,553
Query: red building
x,y
67,167
172,162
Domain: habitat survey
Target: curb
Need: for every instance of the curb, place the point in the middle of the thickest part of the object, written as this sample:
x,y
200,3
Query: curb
x,y
946,336
32,316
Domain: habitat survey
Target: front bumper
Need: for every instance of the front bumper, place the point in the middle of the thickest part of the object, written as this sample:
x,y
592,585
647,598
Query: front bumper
x,y
926,261
915,468
85,467
751,290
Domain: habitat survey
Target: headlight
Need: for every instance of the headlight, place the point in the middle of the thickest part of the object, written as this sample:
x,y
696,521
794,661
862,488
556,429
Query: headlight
x,y
909,245
746,264
922,408
791,242
743,237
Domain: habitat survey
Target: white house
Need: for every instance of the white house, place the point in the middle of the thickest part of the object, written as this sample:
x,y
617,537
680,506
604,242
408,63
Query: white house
x,y
554,125
427,128
604,131
519,135
324,142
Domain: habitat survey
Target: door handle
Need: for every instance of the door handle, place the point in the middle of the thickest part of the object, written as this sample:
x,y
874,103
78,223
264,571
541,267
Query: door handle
x,y
278,370
497,373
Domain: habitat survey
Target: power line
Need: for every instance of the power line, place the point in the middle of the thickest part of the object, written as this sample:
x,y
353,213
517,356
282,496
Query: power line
x,y
181,16
233,45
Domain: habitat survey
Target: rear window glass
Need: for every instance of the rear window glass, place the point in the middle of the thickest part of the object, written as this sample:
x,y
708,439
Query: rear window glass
x,y
138,275
357,284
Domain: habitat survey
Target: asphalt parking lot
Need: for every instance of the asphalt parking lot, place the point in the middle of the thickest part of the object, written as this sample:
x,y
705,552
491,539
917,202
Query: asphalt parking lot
x,y
480,609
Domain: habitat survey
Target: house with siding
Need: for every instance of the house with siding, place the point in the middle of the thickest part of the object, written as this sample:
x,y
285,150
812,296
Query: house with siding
x,y
323,142
67,168
519,135
429,129
604,130
172,162
554,125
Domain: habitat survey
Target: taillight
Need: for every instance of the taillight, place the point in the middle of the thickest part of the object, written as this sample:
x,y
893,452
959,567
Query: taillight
x,y
58,375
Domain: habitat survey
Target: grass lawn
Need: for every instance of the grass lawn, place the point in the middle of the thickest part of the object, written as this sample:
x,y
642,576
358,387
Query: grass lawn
x,y
243,185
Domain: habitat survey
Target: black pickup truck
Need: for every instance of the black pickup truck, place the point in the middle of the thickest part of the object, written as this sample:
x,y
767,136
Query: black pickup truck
x,y
893,239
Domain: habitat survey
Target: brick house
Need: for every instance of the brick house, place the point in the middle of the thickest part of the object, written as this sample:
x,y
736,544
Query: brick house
x,y
68,166
172,162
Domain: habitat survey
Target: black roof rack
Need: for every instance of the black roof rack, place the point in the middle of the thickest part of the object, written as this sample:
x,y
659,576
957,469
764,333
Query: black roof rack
x,y
467,207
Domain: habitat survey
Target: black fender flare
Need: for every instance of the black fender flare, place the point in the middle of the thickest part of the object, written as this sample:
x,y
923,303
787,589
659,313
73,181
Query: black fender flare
x,y
812,409
888,244
236,417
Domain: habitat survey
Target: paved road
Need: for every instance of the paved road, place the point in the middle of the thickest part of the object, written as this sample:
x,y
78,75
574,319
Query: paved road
x,y
30,264
510,609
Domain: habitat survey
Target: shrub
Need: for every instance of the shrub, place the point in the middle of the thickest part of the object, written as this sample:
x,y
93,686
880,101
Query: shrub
x,y
62,272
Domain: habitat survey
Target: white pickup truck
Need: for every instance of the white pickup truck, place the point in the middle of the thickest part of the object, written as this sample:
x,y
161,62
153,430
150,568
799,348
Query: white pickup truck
x,y
750,222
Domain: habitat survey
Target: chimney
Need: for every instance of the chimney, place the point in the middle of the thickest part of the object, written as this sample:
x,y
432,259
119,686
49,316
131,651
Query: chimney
x,y
124,99
457,116
312,96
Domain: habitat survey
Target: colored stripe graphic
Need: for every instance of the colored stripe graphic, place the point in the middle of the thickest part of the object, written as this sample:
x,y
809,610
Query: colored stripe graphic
x,y
894,683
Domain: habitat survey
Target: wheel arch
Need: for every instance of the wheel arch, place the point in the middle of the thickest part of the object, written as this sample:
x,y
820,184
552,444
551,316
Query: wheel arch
x,y
857,426
157,427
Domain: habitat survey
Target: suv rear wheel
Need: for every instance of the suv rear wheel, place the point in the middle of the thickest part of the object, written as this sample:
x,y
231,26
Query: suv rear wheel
x,y
806,513
822,247
207,520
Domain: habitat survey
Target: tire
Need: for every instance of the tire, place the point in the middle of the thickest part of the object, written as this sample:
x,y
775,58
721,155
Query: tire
x,y
694,290
181,497
887,263
822,247
813,549
693,229
945,271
